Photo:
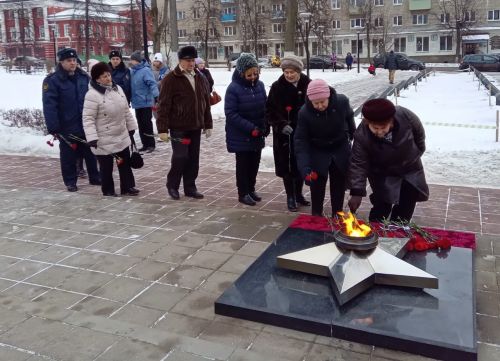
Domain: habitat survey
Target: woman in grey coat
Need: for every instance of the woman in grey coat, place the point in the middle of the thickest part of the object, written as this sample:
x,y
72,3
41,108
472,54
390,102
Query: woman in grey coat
x,y
108,126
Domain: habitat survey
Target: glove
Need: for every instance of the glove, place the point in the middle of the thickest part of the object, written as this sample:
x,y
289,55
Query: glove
x,y
287,130
310,177
164,137
131,133
92,143
208,133
354,203
255,133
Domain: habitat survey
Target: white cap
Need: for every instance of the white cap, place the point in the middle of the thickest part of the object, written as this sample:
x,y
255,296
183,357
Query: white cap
x,y
158,57
91,63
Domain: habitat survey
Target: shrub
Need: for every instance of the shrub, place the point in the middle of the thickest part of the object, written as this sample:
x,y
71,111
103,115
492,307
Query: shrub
x,y
25,118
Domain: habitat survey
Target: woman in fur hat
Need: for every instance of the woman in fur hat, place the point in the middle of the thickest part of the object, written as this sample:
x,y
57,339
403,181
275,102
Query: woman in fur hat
x,y
108,126
286,97
245,103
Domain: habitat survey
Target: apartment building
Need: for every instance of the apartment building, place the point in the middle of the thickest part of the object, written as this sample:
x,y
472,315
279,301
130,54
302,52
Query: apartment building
x,y
423,29
35,28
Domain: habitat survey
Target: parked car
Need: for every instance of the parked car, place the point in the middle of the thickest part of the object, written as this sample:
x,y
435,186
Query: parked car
x,y
263,62
27,61
482,62
404,62
323,61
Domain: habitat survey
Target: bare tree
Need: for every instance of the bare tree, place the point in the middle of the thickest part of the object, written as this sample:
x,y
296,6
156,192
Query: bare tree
x,y
160,21
205,13
291,24
254,13
26,34
133,32
458,16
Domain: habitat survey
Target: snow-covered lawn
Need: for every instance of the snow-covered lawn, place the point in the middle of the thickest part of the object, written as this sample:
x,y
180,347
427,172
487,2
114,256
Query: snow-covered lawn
x,y
455,155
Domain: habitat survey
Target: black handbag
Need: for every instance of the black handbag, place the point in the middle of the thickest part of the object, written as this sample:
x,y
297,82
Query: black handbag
x,y
136,160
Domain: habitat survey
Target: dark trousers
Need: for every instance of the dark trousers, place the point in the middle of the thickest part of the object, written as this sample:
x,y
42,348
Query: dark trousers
x,y
185,161
144,116
69,159
106,162
247,167
293,186
349,67
408,196
337,191
333,66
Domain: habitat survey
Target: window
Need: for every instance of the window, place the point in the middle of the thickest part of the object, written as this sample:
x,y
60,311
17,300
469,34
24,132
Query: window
x,y
379,22
67,30
82,29
378,45
493,15
419,19
400,45
470,16
106,31
336,24
278,28
41,32
278,11
422,43
335,4
212,52
231,10
490,59
378,2
115,32
445,18
261,9
299,48
397,20
357,23
122,32
356,2
229,30
446,42
13,34
211,32
278,7
353,46
337,46
397,2
27,32
98,31
181,33
39,13
196,14
181,15
261,29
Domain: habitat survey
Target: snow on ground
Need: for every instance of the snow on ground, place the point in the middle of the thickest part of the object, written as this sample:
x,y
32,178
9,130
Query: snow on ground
x,y
455,155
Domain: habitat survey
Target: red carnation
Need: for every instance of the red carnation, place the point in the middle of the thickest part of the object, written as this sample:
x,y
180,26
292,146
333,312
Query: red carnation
x,y
73,146
186,141
409,246
119,161
421,246
255,133
50,143
288,108
444,243
314,175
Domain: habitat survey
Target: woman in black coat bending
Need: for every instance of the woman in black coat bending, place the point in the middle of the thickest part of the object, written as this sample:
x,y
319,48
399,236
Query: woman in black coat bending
x,y
322,144
285,98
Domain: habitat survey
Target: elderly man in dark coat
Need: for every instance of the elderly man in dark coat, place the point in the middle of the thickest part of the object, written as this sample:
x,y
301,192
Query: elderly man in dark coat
x,y
63,97
325,127
391,63
184,111
387,150
286,97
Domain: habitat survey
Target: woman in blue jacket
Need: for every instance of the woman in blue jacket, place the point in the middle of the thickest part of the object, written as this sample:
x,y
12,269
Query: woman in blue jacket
x,y
245,109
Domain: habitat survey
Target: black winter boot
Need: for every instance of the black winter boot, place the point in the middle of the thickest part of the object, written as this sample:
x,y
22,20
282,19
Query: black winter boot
x,y
291,204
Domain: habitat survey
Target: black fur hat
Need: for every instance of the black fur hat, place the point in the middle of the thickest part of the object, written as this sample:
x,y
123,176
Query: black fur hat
x,y
99,69
187,52
115,53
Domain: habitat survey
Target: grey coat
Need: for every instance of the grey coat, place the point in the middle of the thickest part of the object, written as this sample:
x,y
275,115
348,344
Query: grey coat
x,y
386,164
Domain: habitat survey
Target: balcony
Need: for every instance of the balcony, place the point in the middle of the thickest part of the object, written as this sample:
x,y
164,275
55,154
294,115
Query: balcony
x,y
278,14
227,18
420,4
227,1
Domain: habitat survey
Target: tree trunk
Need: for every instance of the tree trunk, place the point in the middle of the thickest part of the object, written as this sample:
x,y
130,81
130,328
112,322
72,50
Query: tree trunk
x,y
206,34
458,51
156,26
368,45
174,36
87,30
132,30
291,24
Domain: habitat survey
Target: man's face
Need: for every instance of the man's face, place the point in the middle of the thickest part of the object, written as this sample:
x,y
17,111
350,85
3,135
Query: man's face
x,y
69,64
291,75
380,130
115,61
187,64
320,104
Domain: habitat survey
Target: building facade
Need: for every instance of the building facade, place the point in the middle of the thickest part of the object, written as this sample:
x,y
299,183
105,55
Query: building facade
x,y
38,28
422,29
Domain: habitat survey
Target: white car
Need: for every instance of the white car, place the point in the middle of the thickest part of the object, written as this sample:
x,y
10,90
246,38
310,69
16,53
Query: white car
x,y
263,63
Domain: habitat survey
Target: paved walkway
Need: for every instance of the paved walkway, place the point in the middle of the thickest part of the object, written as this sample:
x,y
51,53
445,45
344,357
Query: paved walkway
x,y
83,277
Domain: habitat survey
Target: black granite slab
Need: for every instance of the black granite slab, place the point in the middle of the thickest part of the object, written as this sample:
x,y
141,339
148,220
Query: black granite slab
x,y
438,323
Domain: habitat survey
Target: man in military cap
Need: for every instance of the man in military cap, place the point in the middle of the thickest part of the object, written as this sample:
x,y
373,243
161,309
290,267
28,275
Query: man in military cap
x,y
63,96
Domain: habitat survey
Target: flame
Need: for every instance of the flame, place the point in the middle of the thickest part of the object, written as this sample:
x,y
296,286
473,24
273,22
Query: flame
x,y
352,227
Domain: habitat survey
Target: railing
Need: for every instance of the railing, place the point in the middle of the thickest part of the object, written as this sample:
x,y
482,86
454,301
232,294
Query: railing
x,y
278,14
228,17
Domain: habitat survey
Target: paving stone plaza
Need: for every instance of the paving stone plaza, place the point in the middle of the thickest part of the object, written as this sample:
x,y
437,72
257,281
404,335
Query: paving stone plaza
x,y
85,277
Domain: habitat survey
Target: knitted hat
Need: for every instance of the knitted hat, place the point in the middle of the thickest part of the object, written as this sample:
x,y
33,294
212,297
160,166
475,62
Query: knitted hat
x,y
292,62
137,56
245,62
115,53
158,57
187,52
91,63
99,69
199,61
318,89
378,110
67,53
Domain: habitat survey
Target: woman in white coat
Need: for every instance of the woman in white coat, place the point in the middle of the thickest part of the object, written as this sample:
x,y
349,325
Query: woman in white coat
x,y
108,126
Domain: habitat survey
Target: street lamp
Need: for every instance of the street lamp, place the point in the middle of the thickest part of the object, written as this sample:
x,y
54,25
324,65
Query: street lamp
x,y
357,50
144,29
305,17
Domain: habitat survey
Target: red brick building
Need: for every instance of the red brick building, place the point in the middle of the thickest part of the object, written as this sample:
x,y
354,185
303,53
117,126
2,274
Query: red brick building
x,y
35,28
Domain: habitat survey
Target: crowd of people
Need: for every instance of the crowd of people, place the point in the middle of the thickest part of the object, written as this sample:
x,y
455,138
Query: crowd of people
x,y
314,134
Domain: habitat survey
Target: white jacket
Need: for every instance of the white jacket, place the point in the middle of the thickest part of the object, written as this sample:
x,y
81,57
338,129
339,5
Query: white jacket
x,y
107,119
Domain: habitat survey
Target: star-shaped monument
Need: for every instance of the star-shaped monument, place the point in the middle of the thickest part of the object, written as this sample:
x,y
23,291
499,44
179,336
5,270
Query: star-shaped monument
x,y
352,272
